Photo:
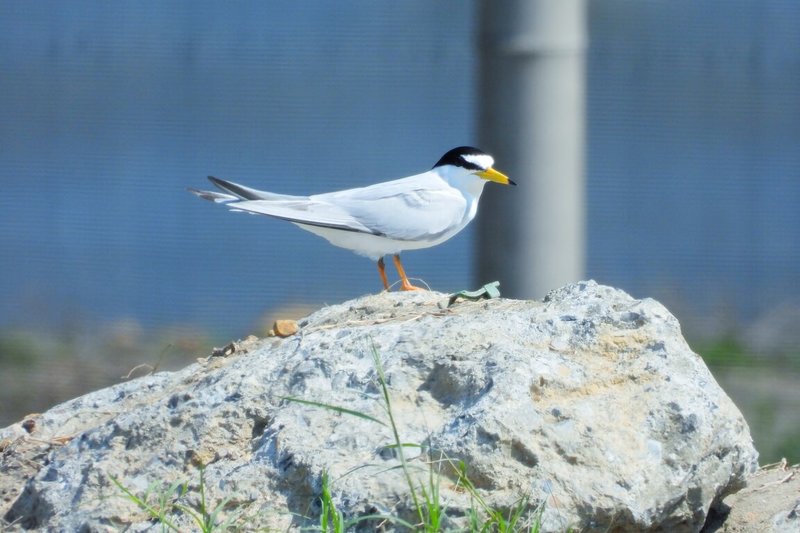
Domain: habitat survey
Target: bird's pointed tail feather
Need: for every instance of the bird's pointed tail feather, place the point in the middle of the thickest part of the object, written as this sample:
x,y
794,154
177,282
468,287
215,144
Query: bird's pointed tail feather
x,y
247,193
216,197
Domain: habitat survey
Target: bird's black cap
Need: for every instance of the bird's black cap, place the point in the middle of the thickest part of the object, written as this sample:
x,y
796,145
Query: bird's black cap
x,y
456,158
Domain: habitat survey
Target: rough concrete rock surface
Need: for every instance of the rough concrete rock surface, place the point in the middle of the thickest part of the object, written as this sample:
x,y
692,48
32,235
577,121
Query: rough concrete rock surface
x,y
769,504
589,401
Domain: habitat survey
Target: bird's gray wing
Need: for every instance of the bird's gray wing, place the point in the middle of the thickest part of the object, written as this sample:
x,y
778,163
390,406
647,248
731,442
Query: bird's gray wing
x,y
421,214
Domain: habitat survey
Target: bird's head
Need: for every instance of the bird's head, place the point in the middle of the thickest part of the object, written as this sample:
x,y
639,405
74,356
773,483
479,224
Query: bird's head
x,y
473,161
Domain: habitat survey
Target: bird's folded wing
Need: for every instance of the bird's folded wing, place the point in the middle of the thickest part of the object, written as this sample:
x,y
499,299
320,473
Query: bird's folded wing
x,y
412,215
303,212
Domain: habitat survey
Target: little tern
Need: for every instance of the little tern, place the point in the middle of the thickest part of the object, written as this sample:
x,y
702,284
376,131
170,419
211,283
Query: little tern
x,y
410,213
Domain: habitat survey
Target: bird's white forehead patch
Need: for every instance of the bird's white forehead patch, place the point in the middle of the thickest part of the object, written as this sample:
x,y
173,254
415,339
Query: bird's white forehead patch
x,y
482,160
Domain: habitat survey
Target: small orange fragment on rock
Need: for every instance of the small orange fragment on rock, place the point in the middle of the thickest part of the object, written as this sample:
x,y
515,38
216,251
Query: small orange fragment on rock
x,y
284,328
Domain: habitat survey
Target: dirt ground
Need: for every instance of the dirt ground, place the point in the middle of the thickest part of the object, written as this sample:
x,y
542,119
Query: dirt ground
x,y
769,503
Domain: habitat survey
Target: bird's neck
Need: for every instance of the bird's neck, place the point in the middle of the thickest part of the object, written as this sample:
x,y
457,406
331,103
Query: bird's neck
x,y
466,182
471,186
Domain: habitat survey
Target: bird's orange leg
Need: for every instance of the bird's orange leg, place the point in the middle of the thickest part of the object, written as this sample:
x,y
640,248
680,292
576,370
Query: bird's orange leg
x,y
405,285
382,272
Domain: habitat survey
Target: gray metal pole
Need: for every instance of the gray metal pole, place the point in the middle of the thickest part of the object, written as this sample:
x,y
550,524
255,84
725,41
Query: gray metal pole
x,y
532,119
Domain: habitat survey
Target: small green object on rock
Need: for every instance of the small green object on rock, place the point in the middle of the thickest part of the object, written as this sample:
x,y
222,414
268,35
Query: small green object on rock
x,y
488,291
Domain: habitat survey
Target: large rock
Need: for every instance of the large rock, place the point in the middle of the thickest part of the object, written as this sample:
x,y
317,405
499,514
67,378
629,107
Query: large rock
x,y
590,401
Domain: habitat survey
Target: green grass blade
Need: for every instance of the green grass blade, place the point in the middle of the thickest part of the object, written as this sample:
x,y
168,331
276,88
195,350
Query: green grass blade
x,y
382,517
335,408
158,514
402,444
382,380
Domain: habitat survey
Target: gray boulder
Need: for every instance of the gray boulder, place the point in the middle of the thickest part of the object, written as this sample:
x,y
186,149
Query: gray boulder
x,y
589,405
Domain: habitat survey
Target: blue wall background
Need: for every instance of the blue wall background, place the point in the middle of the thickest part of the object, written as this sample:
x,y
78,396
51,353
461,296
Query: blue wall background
x,y
694,155
109,110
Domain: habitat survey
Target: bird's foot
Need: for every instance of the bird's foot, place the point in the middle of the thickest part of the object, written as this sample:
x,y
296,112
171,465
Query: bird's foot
x,y
406,285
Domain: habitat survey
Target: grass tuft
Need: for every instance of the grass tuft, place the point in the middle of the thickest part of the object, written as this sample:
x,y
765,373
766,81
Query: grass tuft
x,y
169,500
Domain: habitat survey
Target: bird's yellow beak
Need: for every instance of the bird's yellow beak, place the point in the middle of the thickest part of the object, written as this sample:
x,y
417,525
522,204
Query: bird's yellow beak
x,y
495,176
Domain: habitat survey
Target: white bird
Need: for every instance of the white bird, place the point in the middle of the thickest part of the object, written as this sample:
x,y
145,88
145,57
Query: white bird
x,y
419,211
